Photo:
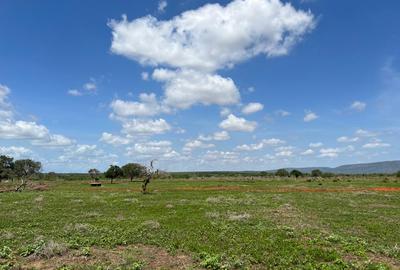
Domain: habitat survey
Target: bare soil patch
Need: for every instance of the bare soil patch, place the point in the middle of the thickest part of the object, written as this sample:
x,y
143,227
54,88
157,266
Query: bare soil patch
x,y
151,257
288,190
31,186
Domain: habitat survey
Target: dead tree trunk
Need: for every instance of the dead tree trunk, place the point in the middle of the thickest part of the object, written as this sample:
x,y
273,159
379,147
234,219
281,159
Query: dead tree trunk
x,y
22,186
148,177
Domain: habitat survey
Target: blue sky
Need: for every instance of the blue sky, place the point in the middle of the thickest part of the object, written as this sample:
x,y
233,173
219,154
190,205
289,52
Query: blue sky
x,y
199,85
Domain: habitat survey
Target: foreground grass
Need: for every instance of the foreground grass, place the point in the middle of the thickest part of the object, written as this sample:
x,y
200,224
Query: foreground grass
x,y
219,224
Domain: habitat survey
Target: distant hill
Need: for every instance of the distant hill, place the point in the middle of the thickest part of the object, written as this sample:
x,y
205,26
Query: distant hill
x,y
362,168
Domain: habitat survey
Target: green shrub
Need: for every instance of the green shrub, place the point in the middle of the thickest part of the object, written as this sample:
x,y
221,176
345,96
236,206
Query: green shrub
x,y
5,252
210,261
137,266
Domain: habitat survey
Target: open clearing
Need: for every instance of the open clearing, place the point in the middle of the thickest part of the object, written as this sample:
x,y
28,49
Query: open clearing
x,y
194,224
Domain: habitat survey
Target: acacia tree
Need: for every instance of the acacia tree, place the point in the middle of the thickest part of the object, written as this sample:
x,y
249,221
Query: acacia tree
x,y
296,173
282,173
132,170
94,174
6,167
113,172
316,173
24,169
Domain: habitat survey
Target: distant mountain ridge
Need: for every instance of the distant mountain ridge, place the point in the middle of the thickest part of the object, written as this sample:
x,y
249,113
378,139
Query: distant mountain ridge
x,y
361,168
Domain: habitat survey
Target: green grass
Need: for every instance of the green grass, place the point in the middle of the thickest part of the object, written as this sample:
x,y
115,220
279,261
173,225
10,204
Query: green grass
x,y
255,224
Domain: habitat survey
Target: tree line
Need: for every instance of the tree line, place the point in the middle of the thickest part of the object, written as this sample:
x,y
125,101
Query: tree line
x,y
130,171
11,169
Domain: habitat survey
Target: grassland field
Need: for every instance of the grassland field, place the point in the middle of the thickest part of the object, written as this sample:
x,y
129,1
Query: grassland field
x,y
215,223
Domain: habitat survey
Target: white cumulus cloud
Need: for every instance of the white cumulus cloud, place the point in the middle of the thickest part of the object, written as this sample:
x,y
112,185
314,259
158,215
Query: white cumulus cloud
x,y
316,145
113,139
185,88
358,106
233,123
376,144
213,36
197,43
145,127
365,133
22,130
159,149
195,144
74,92
345,139
54,140
15,151
162,4
217,136
260,145
145,76
310,116
282,113
252,108
307,152
329,152
147,106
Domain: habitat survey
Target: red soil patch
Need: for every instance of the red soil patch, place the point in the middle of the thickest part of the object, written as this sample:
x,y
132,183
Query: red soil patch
x,y
285,190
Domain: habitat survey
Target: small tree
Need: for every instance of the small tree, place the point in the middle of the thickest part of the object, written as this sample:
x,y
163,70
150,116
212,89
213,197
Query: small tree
x,y
296,173
132,170
398,174
316,173
282,173
113,172
94,174
6,167
24,169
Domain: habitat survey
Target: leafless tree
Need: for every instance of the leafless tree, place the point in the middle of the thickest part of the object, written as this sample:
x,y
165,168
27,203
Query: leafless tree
x,y
148,176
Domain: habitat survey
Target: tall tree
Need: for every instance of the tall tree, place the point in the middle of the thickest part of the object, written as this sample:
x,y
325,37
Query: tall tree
x,y
6,167
113,172
132,170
